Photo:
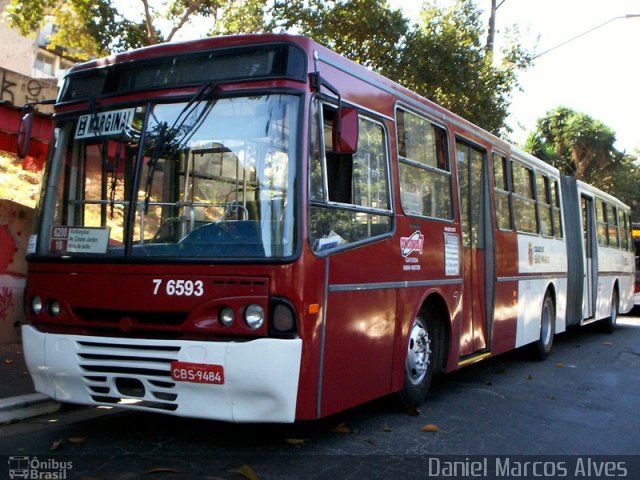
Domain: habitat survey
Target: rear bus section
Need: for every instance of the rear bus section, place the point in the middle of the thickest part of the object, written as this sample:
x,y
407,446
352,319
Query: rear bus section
x,y
601,259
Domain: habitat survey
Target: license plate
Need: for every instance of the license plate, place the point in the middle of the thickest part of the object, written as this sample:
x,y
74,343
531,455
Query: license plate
x,y
197,373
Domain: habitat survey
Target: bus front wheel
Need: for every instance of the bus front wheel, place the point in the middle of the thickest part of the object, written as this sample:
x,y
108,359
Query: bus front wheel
x,y
542,347
419,363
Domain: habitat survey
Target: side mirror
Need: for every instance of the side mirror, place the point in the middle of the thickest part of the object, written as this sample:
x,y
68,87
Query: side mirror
x,y
345,131
24,134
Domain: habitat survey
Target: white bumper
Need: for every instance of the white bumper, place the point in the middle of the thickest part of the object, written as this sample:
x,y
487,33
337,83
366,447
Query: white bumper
x,y
260,376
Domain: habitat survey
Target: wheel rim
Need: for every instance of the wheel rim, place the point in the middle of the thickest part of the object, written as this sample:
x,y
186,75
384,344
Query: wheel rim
x,y
418,353
545,326
614,310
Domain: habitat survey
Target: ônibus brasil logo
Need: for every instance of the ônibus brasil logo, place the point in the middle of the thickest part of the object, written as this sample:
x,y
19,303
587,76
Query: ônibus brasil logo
x,y
412,243
32,468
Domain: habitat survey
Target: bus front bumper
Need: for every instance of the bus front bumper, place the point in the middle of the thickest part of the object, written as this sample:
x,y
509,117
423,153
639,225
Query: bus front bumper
x,y
252,381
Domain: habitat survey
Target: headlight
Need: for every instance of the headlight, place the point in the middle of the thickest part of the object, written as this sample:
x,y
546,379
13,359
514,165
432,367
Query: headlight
x,y
226,316
36,305
254,316
54,308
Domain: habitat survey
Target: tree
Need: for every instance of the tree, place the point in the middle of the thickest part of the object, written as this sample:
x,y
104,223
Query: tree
x,y
445,60
583,147
575,143
440,56
90,28
366,31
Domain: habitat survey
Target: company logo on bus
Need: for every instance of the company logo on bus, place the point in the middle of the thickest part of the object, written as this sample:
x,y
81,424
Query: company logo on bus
x,y
412,243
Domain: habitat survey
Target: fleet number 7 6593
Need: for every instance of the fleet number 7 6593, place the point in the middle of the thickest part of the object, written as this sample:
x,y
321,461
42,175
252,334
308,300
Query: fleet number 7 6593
x,y
178,288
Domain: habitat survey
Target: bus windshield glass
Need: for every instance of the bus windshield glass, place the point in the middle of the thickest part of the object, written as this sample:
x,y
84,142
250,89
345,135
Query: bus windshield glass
x,y
206,178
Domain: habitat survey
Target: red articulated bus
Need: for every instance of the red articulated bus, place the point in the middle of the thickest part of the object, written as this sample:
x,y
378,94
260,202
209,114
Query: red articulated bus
x,y
254,228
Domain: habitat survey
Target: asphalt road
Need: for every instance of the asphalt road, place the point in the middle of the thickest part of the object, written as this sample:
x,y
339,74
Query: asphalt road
x,y
576,413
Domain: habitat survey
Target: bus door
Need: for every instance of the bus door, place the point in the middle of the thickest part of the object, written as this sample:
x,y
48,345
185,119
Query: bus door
x,y
478,256
349,216
590,260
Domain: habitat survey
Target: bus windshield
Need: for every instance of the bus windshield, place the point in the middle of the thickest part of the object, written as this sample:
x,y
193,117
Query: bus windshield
x,y
202,179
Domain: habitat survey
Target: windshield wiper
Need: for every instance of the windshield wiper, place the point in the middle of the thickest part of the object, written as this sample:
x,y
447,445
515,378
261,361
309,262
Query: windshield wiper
x,y
166,135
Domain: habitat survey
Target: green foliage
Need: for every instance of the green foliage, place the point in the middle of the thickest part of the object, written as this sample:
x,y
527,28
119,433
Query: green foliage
x,y
445,60
91,28
247,16
624,184
441,55
583,147
366,31
574,142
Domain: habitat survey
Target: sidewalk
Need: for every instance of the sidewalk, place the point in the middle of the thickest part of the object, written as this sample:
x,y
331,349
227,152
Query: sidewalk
x,y
18,398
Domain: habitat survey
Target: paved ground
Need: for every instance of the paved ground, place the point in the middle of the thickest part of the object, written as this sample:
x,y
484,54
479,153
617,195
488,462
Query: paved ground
x,y
579,406
15,379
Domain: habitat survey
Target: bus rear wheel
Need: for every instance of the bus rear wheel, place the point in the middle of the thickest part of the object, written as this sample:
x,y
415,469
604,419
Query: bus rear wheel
x,y
542,347
609,324
419,362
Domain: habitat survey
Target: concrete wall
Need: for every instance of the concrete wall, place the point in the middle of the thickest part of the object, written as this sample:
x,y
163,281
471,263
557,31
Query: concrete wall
x,y
16,225
17,53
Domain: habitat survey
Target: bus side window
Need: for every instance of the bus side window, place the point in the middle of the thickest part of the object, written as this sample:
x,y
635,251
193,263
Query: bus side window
x,y
425,177
557,213
349,193
623,230
502,192
612,226
524,204
544,202
601,221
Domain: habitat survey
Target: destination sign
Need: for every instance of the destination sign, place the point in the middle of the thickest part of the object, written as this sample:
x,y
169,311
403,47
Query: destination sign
x,y
105,124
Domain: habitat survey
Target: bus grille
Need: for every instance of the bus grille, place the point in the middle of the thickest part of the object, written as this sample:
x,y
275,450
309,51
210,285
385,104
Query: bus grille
x,y
112,318
133,375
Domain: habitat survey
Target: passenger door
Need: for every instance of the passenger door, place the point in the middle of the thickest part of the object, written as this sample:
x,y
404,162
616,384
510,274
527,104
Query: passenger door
x,y
478,254
349,214
590,259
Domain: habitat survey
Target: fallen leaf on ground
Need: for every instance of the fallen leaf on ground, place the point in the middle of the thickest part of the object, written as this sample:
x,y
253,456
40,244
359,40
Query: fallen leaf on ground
x,y
387,428
342,428
76,439
529,377
560,365
296,441
246,471
162,470
8,361
430,427
413,411
57,444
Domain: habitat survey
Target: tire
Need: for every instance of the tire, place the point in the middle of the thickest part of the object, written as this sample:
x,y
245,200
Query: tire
x,y
420,362
609,324
542,347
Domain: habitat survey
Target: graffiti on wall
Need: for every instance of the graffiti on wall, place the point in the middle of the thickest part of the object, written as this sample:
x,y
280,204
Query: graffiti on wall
x,y
8,249
16,221
6,294
17,89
